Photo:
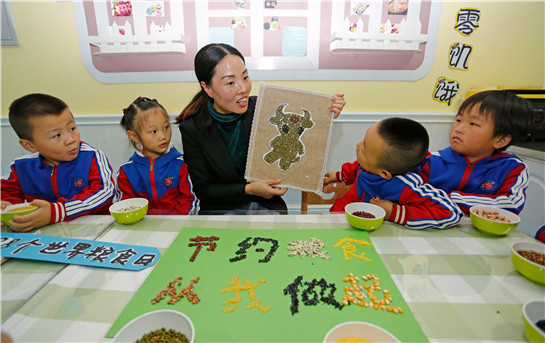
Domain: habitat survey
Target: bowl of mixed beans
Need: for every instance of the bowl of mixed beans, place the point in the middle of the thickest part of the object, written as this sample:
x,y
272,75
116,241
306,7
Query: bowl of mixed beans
x,y
493,220
529,259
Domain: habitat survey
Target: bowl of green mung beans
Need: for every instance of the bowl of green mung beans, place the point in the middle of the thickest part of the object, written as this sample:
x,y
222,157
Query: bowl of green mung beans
x,y
158,326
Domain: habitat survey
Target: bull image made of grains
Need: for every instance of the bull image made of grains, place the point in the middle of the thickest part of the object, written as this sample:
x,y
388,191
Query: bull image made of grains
x,y
287,146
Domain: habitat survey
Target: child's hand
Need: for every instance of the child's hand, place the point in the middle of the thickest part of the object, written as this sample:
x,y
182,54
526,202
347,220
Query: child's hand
x,y
337,104
265,189
330,177
3,206
36,219
387,205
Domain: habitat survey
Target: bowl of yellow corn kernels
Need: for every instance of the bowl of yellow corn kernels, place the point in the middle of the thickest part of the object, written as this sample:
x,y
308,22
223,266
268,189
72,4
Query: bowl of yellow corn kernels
x,y
358,332
16,210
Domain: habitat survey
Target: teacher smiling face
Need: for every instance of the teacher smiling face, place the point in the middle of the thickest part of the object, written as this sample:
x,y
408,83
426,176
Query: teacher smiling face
x,y
229,86
216,127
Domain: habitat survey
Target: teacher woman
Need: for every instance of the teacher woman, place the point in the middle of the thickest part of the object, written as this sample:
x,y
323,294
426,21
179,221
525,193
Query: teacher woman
x,y
215,128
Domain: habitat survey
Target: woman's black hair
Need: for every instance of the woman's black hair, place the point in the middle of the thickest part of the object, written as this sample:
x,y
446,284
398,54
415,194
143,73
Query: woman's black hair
x,y
206,61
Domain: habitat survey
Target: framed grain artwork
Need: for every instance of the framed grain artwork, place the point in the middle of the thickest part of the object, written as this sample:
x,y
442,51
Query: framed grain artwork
x,y
290,137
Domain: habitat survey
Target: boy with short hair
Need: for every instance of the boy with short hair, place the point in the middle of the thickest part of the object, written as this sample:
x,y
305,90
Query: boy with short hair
x,y
64,177
475,170
382,175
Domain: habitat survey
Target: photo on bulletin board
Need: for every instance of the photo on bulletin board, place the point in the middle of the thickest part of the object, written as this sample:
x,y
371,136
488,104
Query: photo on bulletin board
x,y
290,137
398,7
128,41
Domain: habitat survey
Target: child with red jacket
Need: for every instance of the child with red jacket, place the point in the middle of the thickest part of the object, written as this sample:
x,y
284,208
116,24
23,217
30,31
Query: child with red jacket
x,y
475,169
382,175
156,171
64,177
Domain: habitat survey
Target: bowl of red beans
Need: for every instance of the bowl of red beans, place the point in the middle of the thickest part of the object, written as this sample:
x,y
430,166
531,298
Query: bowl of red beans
x,y
364,216
492,220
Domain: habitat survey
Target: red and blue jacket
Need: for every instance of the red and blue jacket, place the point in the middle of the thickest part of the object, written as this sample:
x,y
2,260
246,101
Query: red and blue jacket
x,y
499,180
75,188
165,182
540,234
416,205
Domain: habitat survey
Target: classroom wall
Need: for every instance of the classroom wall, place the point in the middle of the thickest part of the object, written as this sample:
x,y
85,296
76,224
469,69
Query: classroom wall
x,y
508,50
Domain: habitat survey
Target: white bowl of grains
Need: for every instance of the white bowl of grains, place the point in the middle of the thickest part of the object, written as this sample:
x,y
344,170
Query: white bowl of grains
x,y
359,332
158,326
129,211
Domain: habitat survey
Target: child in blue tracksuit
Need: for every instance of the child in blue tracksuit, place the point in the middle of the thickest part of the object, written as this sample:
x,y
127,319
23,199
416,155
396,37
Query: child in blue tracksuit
x,y
156,171
475,170
382,175
64,177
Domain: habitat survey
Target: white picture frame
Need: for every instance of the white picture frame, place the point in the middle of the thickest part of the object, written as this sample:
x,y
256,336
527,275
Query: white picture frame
x,y
9,33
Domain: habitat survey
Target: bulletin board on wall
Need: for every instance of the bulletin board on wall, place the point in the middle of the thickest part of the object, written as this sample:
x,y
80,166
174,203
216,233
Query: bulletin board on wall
x,y
127,41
